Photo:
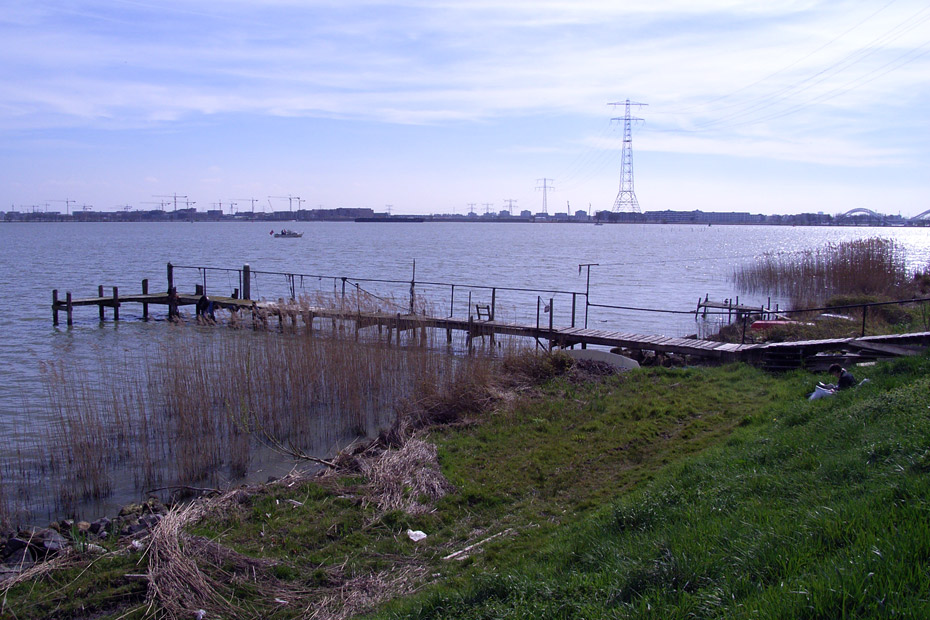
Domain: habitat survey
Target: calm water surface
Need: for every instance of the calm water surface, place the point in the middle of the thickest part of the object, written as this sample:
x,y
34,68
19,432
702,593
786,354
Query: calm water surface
x,y
658,267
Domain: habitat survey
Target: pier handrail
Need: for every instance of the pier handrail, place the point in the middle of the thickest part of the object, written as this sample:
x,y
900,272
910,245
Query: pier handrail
x,y
388,281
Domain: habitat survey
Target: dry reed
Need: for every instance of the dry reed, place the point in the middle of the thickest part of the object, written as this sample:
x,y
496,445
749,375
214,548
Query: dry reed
x,y
874,266
198,406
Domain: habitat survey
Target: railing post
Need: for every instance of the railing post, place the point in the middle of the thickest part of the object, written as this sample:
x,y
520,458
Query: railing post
x,y
573,308
536,335
55,307
865,310
452,302
170,276
246,282
493,302
70,308
100,305
115,303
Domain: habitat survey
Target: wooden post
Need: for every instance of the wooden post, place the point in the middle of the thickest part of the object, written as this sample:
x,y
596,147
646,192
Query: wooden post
x,y
452,302
246,282
864,312
413,280
70,308
115,303
573,311
55,307
551,314
198,290
100,305
493,302
170,277
145,304
470,336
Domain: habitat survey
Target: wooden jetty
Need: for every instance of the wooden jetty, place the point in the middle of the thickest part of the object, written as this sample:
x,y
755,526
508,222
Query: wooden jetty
x,y
814,354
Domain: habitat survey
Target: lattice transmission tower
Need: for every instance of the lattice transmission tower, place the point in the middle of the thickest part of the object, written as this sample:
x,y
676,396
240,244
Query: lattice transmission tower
x,y
626,197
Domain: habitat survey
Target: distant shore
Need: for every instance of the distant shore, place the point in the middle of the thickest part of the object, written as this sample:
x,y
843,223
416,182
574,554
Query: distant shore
x,y
699,218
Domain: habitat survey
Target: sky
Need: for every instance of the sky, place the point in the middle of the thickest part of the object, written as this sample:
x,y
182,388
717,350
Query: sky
x,y
448,106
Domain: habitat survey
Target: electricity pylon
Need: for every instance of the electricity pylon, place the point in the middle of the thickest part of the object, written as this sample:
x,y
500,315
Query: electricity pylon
x,y
626,197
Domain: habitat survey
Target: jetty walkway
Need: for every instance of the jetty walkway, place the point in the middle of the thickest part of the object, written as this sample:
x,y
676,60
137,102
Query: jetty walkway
x,y
813,354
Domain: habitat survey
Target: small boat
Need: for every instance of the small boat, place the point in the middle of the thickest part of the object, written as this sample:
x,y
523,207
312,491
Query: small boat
x,y
288,234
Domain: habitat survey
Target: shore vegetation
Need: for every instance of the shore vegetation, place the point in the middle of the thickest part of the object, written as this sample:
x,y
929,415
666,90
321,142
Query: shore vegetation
x,y
552,489
849,285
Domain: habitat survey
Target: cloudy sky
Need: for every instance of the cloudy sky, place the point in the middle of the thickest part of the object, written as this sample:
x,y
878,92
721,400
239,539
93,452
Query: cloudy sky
x,y
431,106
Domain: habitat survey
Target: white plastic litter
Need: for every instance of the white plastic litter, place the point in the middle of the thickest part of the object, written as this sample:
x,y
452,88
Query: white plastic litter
x,y
416,535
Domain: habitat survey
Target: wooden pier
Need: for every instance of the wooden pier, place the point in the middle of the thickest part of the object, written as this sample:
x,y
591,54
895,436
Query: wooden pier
x,y
814,354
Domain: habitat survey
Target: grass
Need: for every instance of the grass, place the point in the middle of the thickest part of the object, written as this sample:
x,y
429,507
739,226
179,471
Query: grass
x,y
819,512
672,493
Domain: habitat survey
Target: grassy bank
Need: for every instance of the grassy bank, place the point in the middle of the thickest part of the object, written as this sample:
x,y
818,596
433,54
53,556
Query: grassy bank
x,y
815,510
661,493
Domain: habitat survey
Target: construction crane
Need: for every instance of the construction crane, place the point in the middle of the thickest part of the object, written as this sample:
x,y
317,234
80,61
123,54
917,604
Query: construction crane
x,y
251,200
290,201
161,204
174,197
67,202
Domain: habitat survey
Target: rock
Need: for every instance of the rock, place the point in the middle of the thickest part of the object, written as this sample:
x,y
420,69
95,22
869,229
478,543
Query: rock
x,y
154,506
131,509
17,562
151,520
13,545
52,542
82,527
100,525
137,527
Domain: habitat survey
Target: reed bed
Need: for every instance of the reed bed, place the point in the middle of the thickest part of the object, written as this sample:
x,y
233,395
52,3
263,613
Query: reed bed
x,y
204,406
874,266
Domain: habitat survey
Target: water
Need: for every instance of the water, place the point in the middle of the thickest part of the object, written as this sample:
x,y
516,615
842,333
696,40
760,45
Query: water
x,y
641,266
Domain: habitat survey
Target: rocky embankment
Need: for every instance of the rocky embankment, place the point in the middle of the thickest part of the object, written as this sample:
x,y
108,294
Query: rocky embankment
x,y
22,549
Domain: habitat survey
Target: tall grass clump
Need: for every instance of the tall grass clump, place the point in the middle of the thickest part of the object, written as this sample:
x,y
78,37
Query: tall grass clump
x,y
205,406
874,268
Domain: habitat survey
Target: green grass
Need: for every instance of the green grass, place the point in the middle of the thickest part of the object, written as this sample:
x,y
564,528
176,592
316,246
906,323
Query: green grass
x,y
662,493
820,512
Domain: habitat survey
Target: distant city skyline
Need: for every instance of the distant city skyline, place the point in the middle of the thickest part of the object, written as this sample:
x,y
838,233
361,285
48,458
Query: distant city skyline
x,y
427,108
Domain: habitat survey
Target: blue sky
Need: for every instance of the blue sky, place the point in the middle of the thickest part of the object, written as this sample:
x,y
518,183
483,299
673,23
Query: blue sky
x,y
428,106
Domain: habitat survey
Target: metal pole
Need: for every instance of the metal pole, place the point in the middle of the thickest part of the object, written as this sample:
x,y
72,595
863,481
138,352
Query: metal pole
x,y
573,309
587,289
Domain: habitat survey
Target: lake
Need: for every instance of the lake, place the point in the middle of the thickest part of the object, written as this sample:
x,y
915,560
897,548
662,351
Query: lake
x,y
659,267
